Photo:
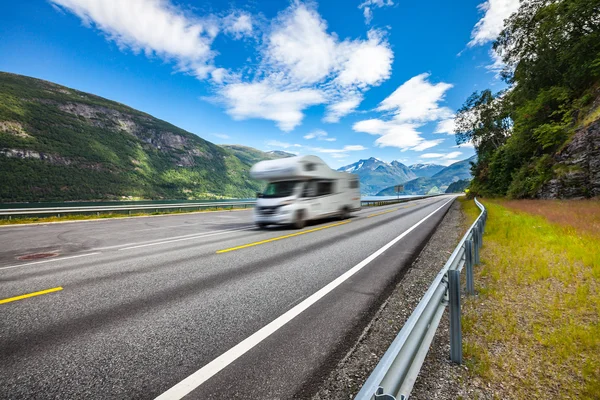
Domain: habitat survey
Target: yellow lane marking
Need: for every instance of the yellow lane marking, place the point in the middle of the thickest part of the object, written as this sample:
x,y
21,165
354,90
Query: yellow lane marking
x,y
25,296
282,237
383,212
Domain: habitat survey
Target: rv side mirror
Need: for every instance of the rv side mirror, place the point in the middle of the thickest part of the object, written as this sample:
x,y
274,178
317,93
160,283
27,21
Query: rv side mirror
x,y
258,195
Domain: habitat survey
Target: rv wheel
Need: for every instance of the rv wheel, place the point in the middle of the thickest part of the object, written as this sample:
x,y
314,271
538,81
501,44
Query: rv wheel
x,y
261,225
299,222
344,213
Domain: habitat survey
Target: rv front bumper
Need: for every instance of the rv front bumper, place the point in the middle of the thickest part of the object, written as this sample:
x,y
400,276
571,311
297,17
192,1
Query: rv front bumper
x,y
282,215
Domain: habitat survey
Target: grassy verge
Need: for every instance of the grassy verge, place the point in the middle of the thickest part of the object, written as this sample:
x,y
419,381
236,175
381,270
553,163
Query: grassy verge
x,y
533,331
79,217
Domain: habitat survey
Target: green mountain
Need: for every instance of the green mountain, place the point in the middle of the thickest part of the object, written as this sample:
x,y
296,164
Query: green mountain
x,y
458,186
457,171
58,144
438,183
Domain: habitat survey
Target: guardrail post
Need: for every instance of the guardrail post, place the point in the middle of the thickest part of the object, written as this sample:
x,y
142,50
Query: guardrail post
x,y
455,328
476,246
380,395
469,265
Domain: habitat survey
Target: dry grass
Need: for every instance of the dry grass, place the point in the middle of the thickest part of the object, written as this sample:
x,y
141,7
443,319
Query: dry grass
x,y
534,330
581,215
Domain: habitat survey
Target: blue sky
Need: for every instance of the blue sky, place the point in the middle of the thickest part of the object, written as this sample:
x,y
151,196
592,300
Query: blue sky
x,y
340,79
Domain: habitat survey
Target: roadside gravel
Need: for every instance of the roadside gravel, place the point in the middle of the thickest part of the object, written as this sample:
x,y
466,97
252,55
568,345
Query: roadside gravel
x,y
439,379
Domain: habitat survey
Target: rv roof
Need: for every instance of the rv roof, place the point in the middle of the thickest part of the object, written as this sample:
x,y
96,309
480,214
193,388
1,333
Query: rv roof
x,y
300,167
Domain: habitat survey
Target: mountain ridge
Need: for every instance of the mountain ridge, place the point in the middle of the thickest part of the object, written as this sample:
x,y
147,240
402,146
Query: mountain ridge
x,y
438,183
375,174
58,143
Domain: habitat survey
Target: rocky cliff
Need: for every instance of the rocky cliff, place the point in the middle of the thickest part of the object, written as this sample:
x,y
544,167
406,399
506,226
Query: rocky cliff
x,y
577,169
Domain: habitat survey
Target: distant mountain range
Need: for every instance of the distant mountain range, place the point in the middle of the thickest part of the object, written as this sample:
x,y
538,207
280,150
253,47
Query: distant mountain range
x,y
375,174
426,169
378,177
437,183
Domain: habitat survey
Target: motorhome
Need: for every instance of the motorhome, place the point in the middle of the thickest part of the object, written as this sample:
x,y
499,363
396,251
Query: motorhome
x,y
303,188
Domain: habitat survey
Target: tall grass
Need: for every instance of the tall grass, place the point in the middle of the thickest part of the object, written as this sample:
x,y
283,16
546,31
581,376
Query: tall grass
x,y
534,329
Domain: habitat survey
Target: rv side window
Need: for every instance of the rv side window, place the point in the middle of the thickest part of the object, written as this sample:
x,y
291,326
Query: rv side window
x,y
324,188
310,167
353,184
310,190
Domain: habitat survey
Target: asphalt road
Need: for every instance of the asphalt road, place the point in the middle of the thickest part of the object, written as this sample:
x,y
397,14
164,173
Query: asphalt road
x,y
138,305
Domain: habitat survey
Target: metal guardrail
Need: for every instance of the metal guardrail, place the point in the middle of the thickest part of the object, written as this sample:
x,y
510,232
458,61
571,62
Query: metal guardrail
x,y
393,378
372,203
19,212
123,208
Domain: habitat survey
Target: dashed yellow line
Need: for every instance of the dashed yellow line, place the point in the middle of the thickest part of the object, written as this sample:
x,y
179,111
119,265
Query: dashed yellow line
x,y
383,212
282,237
25,296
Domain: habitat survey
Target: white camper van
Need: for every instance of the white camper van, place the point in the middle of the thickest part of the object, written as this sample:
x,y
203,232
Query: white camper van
x,y
301,189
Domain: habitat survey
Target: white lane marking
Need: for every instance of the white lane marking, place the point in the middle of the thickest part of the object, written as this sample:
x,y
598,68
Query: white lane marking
x,y
168,238
47,261
187,238
212,368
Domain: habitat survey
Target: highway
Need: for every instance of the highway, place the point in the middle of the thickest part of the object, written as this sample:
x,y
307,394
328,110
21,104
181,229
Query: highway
x,y
201,306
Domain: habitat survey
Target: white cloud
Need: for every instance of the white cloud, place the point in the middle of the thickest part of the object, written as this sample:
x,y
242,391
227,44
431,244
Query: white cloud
x,y
300,44
299,54
342,108
284,145
491,24
446,156
417,100
368,5
412,104
392,133
464,145
153,27
427,144
338,153
221,135
432,155
365,63
238,24
259,100
319,134
445,126
300,63
352,147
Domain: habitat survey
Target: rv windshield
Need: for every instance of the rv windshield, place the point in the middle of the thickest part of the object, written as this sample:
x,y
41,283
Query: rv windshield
x,y
280,189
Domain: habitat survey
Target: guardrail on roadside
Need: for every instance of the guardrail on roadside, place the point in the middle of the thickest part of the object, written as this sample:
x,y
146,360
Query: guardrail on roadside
x,y
393,378
87,210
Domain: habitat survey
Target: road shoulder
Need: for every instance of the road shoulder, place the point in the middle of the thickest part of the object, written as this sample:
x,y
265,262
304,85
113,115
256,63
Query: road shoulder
x,y
435,380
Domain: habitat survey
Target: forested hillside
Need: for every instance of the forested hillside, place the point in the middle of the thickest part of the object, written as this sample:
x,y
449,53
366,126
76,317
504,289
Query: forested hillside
x,y
541,136
58,143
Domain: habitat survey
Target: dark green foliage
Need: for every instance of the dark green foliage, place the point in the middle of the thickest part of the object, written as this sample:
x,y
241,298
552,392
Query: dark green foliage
x,y
458,186
552,52
59,144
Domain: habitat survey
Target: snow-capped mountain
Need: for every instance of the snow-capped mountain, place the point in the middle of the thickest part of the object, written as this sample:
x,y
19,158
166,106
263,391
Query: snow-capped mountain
x,y
375,174
437,183
426,170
